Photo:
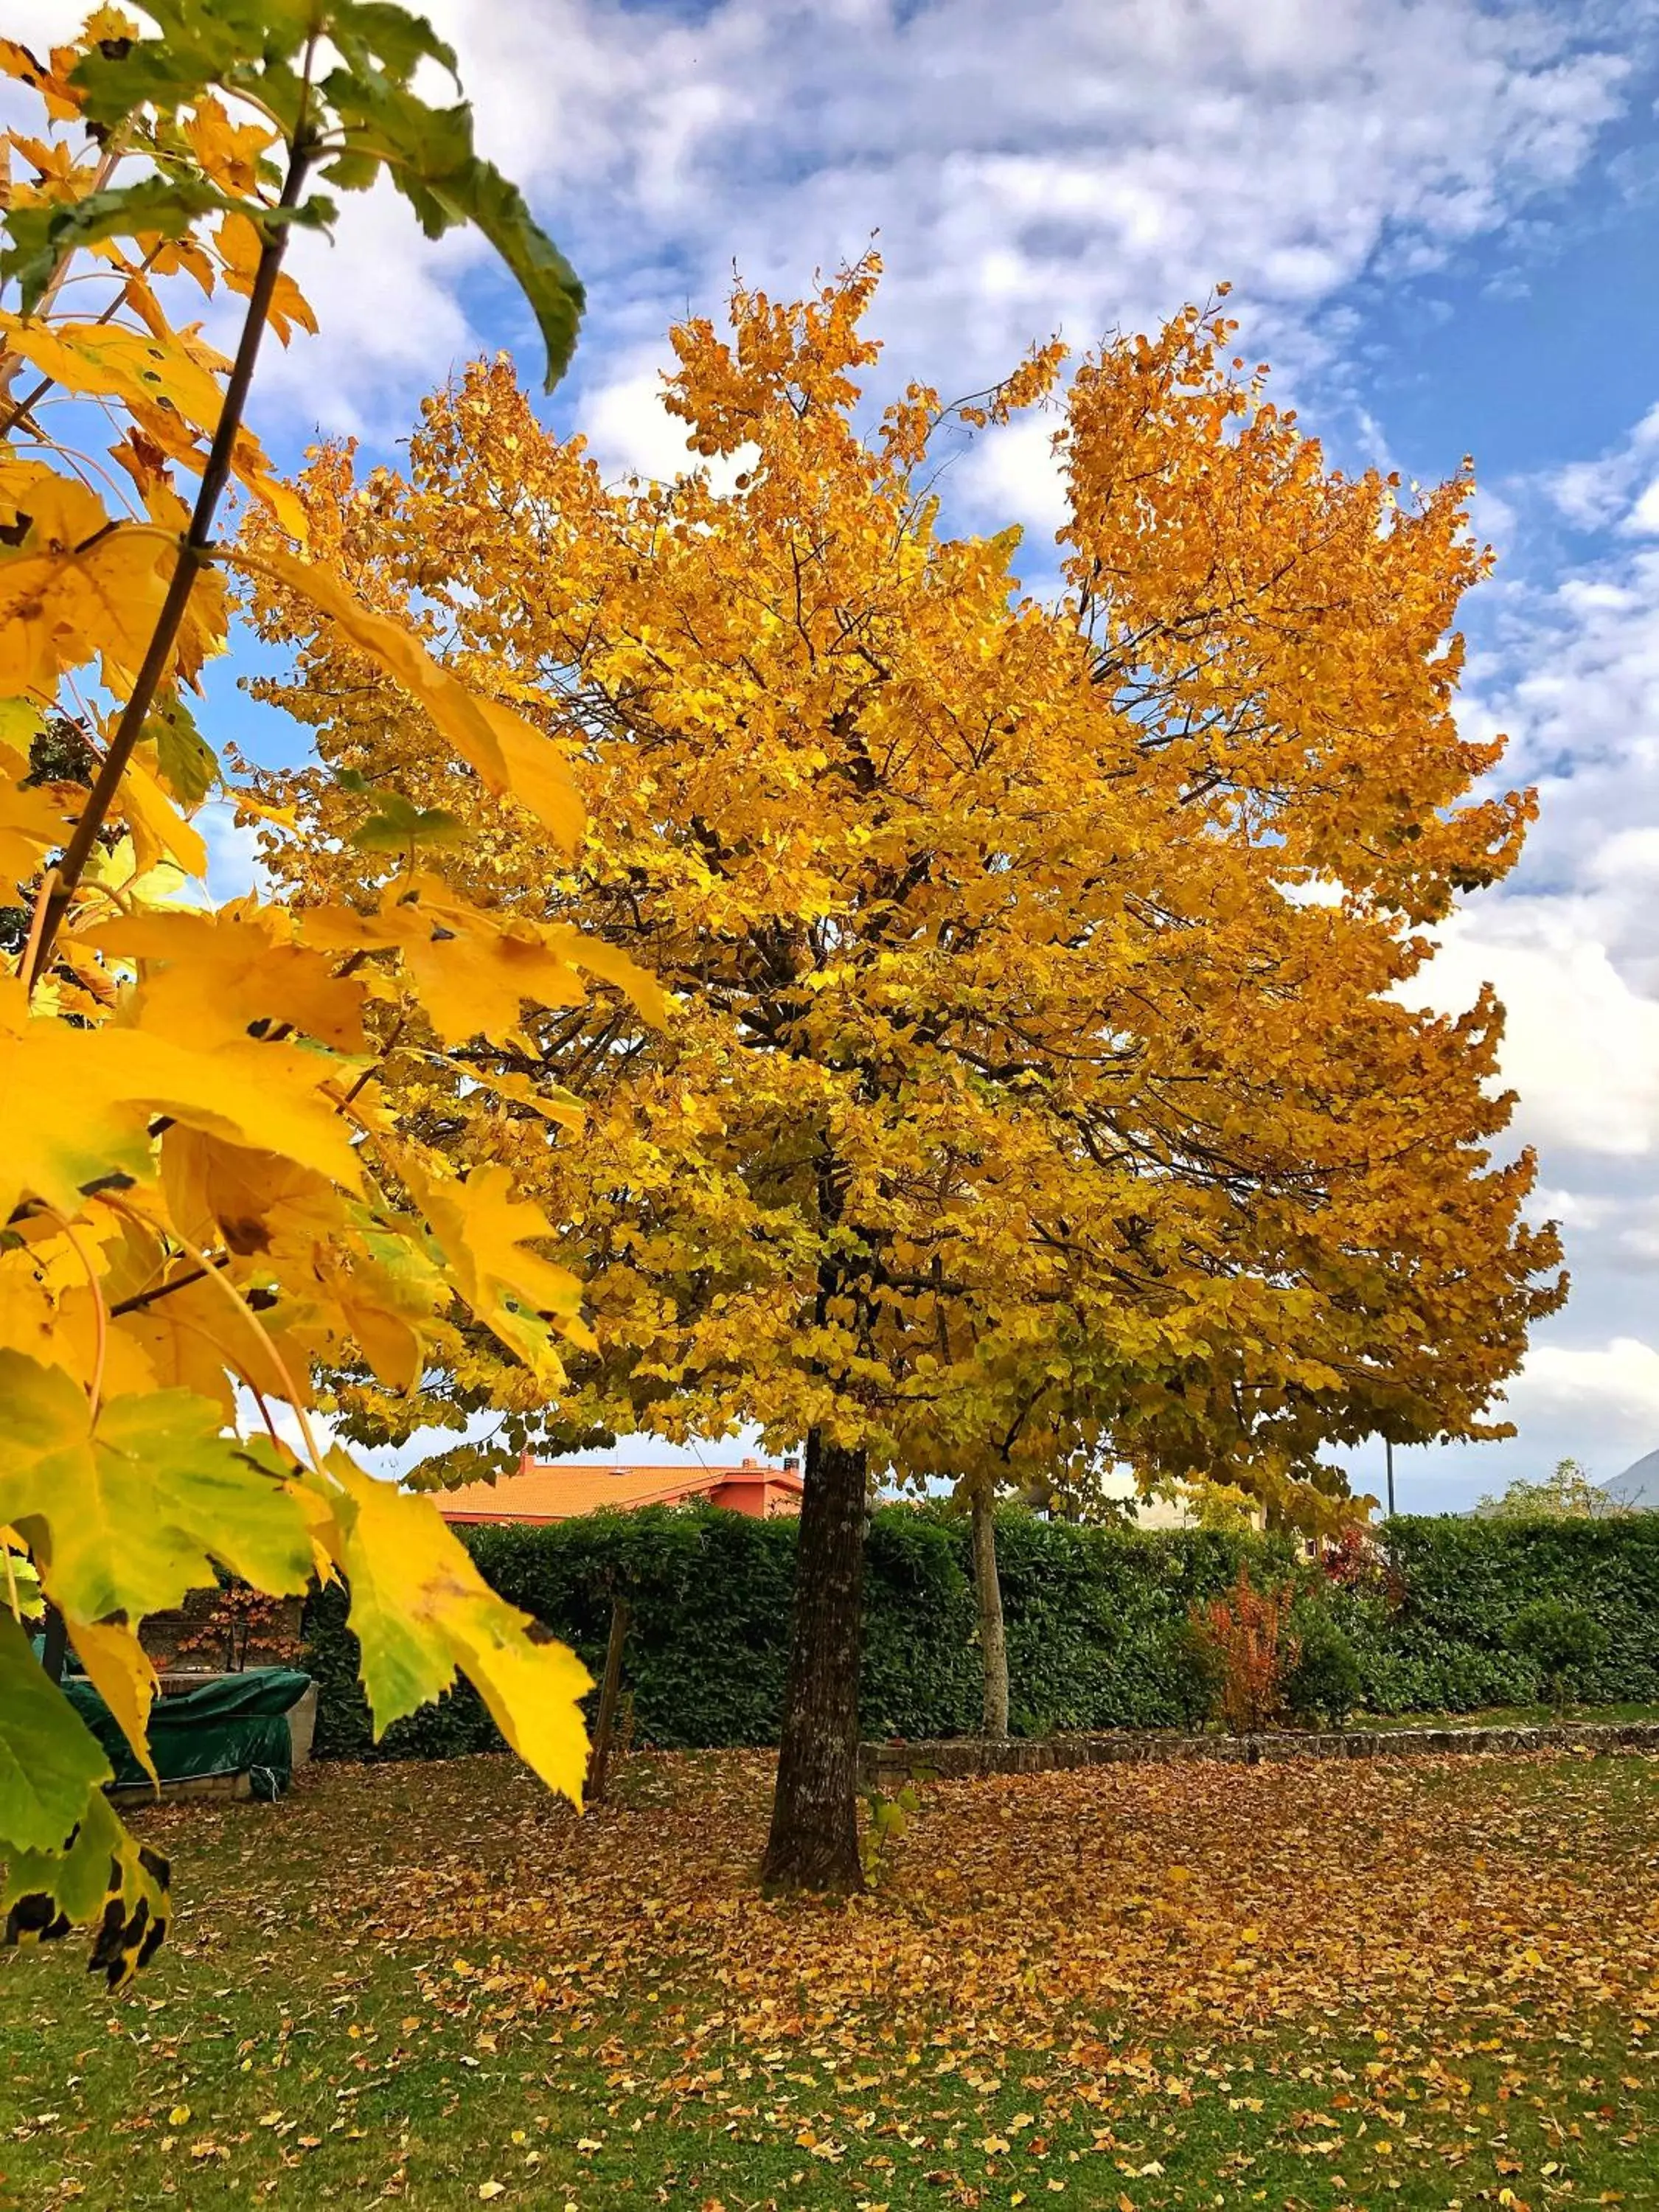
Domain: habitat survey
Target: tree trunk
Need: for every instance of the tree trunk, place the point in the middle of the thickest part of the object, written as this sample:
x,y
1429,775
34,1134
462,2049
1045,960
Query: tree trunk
x,y
55,1648
814,1842
605,1726
993,1638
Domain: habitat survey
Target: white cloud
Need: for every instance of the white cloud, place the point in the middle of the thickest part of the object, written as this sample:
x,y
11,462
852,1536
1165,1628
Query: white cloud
x,y
1645,515
631,431
1611,1389
1596,1403
233,868
1573,1209
1592,494
1011,473
1580,1045
1637,1233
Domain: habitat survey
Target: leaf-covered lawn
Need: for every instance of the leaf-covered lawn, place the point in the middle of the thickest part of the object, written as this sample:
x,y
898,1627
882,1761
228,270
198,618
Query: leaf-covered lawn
x,y
1411,1984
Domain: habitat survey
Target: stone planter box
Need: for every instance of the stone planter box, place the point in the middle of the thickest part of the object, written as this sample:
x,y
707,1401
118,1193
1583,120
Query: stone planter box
x,y
963,1759
301,1728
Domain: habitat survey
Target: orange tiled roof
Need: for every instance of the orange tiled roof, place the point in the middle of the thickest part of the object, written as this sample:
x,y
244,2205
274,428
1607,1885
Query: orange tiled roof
x,y
561,1493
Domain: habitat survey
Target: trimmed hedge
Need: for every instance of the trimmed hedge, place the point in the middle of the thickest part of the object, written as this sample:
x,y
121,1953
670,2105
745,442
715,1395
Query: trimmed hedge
x,y
1091,1618
1445,1648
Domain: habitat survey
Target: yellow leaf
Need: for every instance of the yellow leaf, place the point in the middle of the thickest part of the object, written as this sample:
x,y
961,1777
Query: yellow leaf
x,y
63,101
483,1231
196,1339
472,974
19,725
550,1100
538,773
473,971
129,1515
611,966
158,830
224,1194
31,824
61,610
239,245
266,1097
253,471
111,361
229,155
213,977
501,745
119,1669
48,1154
420,1608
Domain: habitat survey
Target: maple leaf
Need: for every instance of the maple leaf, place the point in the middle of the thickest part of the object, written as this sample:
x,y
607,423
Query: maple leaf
x,y
59,610
128,1515
472,975
48,1765
512,757
420,1610
31,824
484,1232
215,977
160,832
122,1078
108,360
119,1669
103,1877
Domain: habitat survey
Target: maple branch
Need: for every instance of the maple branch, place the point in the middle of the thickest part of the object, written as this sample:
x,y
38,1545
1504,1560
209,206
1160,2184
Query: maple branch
x,y
194,552
141,1299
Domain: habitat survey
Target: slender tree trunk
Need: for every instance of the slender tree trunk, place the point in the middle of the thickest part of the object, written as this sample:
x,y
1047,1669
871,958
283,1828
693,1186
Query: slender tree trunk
x,y
814,1841
993,1638
605,1725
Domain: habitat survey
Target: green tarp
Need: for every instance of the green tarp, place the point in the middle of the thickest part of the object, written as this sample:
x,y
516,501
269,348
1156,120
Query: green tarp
x,y
232,1724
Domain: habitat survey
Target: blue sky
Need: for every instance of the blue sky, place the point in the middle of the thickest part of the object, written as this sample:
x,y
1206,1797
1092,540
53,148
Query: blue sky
x,y
1440,219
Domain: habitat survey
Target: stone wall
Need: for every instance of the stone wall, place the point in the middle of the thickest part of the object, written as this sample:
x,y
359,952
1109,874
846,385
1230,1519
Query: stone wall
x,y
963,1759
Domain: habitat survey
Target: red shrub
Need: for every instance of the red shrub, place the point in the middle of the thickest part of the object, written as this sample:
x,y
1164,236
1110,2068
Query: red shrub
x,y
1250,1629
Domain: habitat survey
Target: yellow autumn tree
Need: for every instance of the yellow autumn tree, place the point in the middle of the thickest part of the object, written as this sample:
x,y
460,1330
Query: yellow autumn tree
x,y
207,1195
1034,1065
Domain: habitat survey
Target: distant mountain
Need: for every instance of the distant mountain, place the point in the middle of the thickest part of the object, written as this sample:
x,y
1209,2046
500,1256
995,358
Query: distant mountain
x,y
1637,1485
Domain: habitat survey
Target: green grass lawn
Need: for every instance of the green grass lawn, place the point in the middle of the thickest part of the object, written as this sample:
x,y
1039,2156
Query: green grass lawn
x,y
1405,1984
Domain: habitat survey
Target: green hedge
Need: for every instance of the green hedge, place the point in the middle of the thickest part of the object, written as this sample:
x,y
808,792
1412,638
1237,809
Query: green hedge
x,y
1089,1612
1461,1583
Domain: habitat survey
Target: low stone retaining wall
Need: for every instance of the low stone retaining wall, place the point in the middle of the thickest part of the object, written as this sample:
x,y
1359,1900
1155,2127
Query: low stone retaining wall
x,y
965,1758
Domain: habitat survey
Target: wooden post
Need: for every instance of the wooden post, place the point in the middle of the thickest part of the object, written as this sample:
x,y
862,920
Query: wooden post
x,y
598,1757
993,1634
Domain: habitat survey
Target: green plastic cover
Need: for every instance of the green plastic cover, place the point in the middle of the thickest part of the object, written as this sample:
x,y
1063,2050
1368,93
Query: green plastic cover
x,y
232,1724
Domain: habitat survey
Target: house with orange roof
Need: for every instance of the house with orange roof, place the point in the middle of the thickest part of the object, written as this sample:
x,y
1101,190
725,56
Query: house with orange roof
x,y
545,1491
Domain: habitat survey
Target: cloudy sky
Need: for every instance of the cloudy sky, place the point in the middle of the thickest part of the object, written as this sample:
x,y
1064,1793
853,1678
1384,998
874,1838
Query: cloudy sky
x,y
1440,219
